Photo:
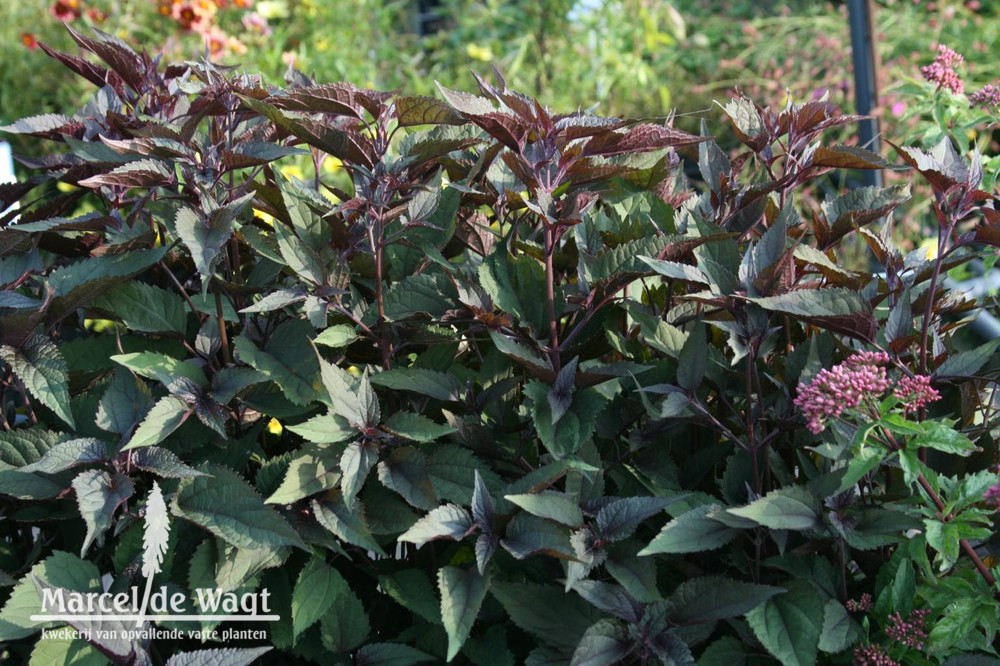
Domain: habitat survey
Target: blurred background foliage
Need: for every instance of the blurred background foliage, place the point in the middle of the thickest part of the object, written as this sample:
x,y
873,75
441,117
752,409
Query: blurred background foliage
x,y
637,58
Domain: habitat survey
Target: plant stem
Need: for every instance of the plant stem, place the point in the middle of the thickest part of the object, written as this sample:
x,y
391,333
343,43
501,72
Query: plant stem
x,y
221,321
550,295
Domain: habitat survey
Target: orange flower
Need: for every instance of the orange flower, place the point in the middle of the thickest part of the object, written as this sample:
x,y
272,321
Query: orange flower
x,y
66,10
28,39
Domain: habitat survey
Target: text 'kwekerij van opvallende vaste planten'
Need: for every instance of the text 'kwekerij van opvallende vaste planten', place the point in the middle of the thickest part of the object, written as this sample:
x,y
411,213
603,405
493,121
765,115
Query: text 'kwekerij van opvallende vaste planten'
x,y
492,384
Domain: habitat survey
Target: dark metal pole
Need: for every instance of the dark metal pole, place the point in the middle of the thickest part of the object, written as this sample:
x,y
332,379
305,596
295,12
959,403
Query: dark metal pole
x,y
865,81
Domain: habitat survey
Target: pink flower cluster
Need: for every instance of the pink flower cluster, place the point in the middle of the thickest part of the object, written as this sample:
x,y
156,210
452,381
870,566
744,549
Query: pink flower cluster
x,y
910,632
861,605
992,495
846,385
915,392
987,96
942,71
842,387
872,655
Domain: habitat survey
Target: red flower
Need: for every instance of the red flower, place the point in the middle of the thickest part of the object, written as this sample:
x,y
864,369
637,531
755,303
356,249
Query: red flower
x,y
29,41
66,10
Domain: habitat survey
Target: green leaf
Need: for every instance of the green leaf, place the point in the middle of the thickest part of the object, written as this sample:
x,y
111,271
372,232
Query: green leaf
x,y
105,271
341,396
406,472
791,508
229,381
531,607
516,286
693,359
790,624
437,385
20,447
166,416
620,517
314,594
420,294
967,363
830,302
98,495
326,428
448,521
412,589
60,569
225,505
164,369
218,657
462,594
390,654
125,402
69,454
604,643
839,631
726,651
348,524
691,532
302,259
527,535
675,271
336,336
712,598
24,485
307,475
54,649
416,427
559,507
143,307
942,437
38,363
205,237
282,360
163,463
345,626
355,464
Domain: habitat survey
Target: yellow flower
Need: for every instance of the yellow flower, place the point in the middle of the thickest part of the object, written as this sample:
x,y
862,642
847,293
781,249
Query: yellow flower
x,y
274,427
264,217
930,247
477,52
332,165
65,188
292,171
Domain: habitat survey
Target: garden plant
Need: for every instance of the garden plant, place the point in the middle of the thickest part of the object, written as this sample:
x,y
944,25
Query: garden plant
x,y
491,384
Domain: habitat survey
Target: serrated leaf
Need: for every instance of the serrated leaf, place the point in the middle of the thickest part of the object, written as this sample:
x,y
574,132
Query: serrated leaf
x,y
421,110
326,428
27,486
66,652
345,626
98,496
448,521
281,360
60,569
437,385
789,625
712,598
620,517
791,508
163,463
390,654
225,505
218,657
412,589
603,644
406,472
355,464
164,369
166,416
527,535
69,454
675,271
143,307
125,402
277,300
691,532
337,336
559,507
314,594
967,363
20,447
531,606
38,363
839,631
229,381
462,594
417,427
348,524
307,475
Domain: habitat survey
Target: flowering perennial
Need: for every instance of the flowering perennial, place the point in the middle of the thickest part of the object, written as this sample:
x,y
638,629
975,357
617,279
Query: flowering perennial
x,y
910,632
986,96
842,387
942,71
872,655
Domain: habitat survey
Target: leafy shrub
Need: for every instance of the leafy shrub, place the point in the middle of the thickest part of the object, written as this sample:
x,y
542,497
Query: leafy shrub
x,y
492,385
